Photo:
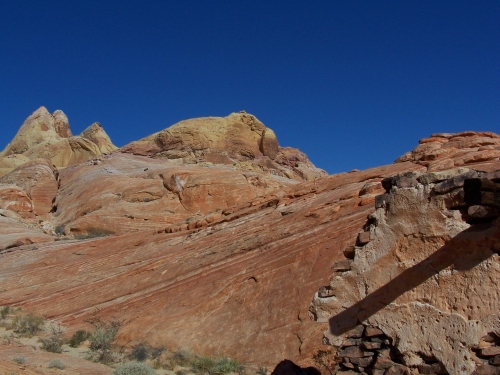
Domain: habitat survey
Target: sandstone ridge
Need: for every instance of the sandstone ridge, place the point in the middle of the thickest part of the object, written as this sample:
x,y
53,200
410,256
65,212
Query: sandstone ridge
x,y
48,136
183,247
444,150
239,140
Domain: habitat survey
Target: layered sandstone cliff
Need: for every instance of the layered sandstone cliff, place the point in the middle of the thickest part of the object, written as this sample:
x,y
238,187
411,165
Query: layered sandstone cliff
x,y
208,229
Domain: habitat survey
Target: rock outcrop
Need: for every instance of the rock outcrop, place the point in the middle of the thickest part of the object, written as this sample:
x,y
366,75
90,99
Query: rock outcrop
x,y
210,229
48,136
419,291
445,151
122,193
239,140
38,179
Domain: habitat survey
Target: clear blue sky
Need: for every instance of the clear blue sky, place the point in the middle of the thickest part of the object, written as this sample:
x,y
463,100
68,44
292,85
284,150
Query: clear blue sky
x,y
353,84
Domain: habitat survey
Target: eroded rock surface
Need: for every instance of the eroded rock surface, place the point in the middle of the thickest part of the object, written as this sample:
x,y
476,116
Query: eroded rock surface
x,y
424,276
48,136
239,139
38,179
445,151
222,273
210,229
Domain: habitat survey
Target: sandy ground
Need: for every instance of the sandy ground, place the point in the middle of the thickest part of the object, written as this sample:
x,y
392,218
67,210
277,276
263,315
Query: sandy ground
x,y
37,360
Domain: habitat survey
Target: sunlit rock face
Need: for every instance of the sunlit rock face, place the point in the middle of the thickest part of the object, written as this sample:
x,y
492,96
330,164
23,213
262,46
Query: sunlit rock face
x,y
239,140
48,136
211,229
445,151
425,276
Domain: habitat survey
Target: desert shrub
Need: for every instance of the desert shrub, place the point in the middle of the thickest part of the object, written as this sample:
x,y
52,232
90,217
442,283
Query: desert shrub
x,y
78,337
139,353
4,312
215,366
203,364
181,358
56,363
156,352
181,372
160,363
226,366
53,343
59,230
262,370
28,324
134,368
19,359
102,339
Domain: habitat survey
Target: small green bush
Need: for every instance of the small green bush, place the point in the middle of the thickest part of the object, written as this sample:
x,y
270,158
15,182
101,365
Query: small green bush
x,y
59,230
78,337
19,359
181,358
4,312
102,339
57,363
203,364
215,366
139,353
134,368
156,352
28,324
53,343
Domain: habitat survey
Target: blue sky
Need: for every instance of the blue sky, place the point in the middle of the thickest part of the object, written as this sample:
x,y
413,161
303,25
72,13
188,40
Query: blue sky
x,y
354,84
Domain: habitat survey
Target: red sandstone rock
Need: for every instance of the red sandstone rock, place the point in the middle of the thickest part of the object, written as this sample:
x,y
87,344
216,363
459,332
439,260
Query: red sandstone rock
x,y
235,272
38,180
490,351
439,153
14,234
14,199
201,250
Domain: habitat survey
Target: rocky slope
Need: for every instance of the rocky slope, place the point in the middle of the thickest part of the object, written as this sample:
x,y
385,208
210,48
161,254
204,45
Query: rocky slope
x,y
215,238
